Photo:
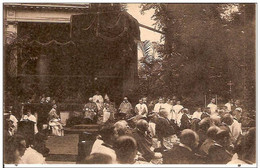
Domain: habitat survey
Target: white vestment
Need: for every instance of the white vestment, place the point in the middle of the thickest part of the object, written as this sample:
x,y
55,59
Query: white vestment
x,y
213,107
197,115
158,106
229,106
141,109
177,108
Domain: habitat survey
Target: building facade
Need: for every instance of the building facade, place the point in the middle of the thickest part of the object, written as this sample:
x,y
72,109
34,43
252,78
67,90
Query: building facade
x,y
54,61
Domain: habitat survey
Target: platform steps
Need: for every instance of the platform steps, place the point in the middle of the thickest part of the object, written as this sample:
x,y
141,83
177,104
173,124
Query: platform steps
x,y
76,129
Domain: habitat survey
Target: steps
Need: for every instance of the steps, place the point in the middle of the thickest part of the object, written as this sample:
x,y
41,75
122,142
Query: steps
x,y
78,129
63,149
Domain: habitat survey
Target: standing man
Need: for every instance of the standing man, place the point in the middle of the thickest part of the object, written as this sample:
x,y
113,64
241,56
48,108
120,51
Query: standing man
x,y
141,109
168,106
177,108
229,105
150,107
197,114
213,107
236,128
125,109
237,104
159,105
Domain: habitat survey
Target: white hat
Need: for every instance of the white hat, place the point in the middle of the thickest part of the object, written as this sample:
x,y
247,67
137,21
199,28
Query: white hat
x,y
239,109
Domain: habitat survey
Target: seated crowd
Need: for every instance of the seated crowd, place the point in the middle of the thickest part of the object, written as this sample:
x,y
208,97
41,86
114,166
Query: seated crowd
x,y
161,133
168,133
25,132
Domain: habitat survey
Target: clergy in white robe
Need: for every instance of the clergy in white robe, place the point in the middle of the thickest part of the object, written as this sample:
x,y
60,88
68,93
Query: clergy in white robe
x,y
197,114
159,106
141,109
213,107
177,108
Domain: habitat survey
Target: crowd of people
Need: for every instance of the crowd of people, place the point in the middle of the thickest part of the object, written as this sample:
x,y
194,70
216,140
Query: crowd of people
x,y
26,132
165,132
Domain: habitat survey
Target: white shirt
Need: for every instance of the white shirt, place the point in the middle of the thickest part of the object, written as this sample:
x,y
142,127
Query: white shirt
x,y
229,106
171,113
13,118
31,118
178,121
197,115
141,108
177,108
213,107
158,106
99,148
235,129
31,156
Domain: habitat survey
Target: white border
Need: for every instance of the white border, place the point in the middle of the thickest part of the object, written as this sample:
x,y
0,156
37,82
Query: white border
x,y
129,1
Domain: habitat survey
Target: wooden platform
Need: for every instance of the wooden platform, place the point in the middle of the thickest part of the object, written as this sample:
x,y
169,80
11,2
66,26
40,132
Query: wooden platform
x,y
78,129
63,149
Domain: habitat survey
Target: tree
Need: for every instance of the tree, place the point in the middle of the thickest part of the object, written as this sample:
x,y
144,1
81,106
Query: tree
x,y
200,54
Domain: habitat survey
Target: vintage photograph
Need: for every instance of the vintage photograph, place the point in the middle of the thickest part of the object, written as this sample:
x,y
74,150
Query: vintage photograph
x,y
128,83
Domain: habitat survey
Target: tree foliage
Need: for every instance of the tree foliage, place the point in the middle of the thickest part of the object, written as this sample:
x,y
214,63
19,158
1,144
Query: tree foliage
x,y
206,46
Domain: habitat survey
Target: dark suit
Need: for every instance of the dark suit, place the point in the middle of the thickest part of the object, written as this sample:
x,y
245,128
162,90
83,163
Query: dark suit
x,y
144,143
185,122
163,128
218,155
181,155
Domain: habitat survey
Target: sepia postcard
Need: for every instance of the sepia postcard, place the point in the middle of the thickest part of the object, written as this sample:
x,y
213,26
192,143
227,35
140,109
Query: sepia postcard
x,y
141,84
